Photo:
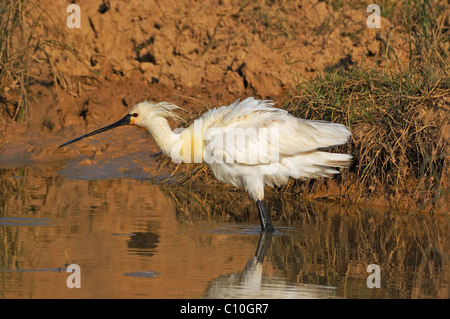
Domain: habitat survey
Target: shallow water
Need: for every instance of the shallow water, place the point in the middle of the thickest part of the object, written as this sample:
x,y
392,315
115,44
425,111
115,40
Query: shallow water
x,y
131,240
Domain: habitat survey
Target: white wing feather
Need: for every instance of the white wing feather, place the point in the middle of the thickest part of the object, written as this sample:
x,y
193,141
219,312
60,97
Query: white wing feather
x,y
295,136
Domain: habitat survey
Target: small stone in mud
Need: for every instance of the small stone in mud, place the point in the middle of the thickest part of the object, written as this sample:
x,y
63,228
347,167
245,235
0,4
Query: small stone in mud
x,y
104,7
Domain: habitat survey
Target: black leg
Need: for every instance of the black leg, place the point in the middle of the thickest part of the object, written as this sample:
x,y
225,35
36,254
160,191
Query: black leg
x,y
264,217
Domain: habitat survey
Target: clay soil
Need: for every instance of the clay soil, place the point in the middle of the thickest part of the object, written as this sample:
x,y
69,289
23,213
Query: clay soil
x,y
191,53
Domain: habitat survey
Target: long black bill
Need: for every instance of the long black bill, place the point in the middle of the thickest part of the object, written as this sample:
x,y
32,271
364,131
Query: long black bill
x,y
124,121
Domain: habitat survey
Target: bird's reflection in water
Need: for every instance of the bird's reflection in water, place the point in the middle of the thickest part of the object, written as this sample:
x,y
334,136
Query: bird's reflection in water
x,y
252,283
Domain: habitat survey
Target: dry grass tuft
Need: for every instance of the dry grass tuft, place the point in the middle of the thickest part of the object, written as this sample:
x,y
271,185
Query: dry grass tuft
x,y
398,115
24,56
397,120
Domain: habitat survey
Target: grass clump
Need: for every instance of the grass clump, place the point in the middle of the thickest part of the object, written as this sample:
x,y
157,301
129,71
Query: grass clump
x,y
398,114
24,55
397,120
17,47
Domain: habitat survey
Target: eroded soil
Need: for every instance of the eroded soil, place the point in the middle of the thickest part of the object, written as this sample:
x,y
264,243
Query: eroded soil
x,y
191,53
186,52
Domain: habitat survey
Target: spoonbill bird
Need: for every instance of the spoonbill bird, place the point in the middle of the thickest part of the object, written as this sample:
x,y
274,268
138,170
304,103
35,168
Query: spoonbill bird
x,y
247,144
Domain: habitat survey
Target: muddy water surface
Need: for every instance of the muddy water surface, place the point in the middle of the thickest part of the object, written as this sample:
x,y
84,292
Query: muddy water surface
x,y
132,240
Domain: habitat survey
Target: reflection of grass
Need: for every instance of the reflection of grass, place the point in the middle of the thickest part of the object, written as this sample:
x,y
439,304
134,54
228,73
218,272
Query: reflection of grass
x,y
12,199
411,257
335,244
200,202
338,245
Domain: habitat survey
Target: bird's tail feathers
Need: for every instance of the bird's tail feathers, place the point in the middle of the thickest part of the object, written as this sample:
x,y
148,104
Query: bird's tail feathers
x,y
331,134
316,164
335,159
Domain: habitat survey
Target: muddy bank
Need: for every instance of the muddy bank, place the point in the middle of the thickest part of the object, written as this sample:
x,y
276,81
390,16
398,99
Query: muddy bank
x,y
196,54
190,53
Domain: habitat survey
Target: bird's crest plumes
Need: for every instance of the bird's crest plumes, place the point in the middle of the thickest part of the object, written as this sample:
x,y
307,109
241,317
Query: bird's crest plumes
x,y
169,110
163,109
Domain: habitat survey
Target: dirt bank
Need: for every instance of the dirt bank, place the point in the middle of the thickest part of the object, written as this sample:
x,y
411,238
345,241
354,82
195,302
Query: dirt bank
x,y
186,52
192,53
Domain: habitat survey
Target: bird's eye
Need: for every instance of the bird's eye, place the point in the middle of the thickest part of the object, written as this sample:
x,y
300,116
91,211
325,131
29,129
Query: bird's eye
x,y
135,115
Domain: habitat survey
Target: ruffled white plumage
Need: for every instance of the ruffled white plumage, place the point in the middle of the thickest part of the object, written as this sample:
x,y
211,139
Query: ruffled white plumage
x,y
300,146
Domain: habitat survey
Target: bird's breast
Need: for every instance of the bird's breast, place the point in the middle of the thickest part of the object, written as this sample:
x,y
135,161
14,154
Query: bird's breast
x,y
192,148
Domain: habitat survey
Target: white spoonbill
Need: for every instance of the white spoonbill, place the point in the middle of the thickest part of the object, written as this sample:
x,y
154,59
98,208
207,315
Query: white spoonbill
x,y
235,140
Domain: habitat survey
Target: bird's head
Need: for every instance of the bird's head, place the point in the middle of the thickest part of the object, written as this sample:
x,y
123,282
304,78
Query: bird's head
x,y
142,115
